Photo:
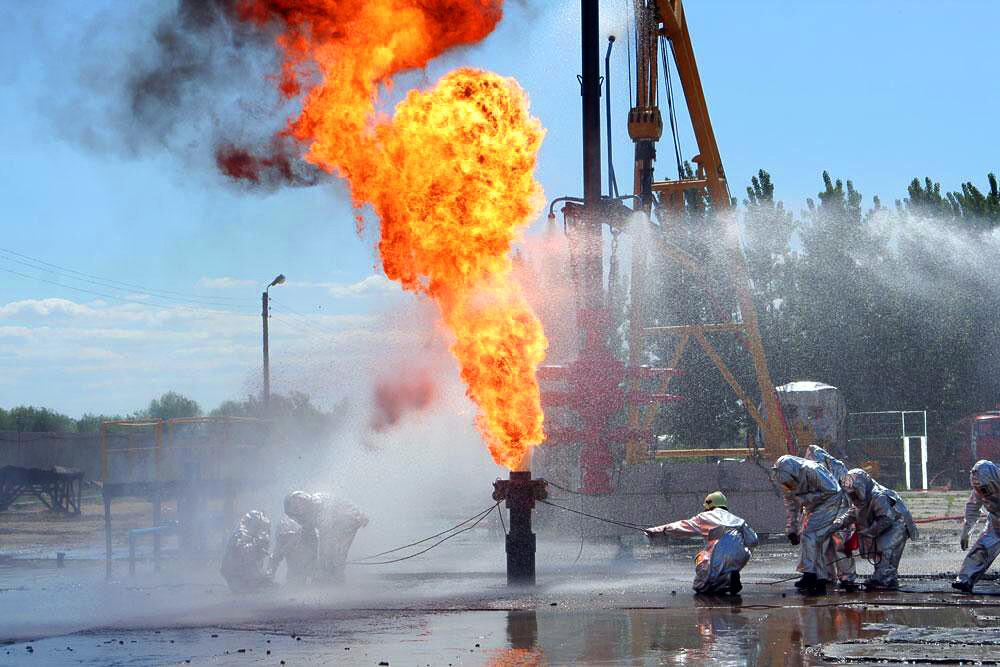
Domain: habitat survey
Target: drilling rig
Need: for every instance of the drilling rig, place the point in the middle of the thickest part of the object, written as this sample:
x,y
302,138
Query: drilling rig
x,y
612,396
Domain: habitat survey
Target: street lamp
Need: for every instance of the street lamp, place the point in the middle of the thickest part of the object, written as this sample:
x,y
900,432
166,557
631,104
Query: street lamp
x,y
263,314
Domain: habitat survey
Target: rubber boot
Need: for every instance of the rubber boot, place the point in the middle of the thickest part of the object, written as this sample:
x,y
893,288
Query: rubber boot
x,y
806,580
962,586
818,588
735,585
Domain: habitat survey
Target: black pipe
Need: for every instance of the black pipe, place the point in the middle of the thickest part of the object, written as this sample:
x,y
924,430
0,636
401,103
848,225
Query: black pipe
x,y
520,493
612,182
590,90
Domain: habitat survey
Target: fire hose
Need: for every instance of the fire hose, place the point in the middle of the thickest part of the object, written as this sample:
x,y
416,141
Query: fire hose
x,y
455,530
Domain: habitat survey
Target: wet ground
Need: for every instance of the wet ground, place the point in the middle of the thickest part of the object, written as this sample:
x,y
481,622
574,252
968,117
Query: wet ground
x,y
452,607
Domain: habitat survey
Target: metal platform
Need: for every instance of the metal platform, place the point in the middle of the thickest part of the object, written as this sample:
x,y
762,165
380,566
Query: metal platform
x,y
58,488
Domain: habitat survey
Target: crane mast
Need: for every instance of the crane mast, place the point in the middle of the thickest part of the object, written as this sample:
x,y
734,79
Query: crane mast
x,y
666,18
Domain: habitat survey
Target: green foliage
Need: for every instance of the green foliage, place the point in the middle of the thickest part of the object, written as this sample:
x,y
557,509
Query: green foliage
x,y
291,416
170,405
860,298
969,209
25,419
90,423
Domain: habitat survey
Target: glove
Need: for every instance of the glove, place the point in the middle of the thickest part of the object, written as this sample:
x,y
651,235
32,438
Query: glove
x,y
793,538
852,544
964,543
838,525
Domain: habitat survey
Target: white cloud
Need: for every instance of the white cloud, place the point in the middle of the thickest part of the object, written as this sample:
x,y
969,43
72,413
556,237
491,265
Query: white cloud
x,y
373,284
225,282
51,348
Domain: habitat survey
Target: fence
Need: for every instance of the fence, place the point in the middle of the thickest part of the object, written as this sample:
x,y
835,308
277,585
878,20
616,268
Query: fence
x,y
894,440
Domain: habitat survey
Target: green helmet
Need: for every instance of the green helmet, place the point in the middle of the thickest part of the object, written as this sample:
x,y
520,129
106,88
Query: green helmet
x,y
715,500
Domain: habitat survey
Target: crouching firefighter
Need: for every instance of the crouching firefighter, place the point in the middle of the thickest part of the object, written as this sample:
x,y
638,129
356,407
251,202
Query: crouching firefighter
x,y
807,489
728,544
882,522
245,563
985,481
839,556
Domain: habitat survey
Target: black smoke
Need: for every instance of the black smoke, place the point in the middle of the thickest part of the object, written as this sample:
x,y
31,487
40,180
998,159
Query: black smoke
x,y
191,80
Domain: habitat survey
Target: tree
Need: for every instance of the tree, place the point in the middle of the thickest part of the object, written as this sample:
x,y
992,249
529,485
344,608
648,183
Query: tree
x,y
91,423
292,416
25,419
969,209
170,405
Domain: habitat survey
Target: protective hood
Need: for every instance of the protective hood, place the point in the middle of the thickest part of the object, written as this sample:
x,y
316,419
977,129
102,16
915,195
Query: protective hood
x,y
302,507
834,465
858,485
985,479
256,524
786,472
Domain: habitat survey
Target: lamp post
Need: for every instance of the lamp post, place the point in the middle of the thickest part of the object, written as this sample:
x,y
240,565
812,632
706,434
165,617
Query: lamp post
x,y
263,314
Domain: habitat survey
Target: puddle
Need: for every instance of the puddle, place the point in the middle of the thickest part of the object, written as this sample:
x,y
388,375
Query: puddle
x,y
711,632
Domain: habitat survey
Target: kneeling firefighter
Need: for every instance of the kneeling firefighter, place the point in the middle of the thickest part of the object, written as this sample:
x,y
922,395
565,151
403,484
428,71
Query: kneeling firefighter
x,y
245,562
839,557
728,544
884,524
985,480
807,489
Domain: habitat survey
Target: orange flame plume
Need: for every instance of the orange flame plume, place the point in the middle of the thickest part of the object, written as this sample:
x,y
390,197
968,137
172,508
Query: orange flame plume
x,y
450,175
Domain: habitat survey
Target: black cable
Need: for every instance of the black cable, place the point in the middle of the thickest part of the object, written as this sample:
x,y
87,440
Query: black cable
x,y
877,559
205,309
575,493
41,264
624,524
502,524
423,551
671,115
628,50
427,539
304,318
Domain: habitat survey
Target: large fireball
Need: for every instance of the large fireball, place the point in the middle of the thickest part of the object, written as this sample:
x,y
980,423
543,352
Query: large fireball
x,y
450,176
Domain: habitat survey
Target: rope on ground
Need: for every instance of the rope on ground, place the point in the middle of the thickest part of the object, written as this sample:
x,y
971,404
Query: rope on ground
x,y
477,518
876,558
939,518
624,524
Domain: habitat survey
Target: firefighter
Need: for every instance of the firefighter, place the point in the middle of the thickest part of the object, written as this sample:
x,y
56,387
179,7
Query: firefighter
x,y
837,554
334,522
884,524
245,562
985,481
299,547
808,490
728,544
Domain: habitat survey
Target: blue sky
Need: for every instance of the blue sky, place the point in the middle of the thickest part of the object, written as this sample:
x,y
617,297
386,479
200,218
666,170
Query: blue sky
x,y
878,92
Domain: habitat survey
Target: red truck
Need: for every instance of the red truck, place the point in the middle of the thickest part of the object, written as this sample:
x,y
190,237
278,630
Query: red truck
x,y
978,438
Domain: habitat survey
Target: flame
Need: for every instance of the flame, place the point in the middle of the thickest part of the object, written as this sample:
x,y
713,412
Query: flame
x,y
450,175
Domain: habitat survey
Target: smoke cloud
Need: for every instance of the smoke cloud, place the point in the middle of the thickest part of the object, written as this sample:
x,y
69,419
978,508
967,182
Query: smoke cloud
x,y
397,396
192,81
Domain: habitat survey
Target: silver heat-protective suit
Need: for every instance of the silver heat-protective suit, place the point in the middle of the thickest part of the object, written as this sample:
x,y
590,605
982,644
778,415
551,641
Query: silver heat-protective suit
x,y
985,480
728,544
807,489
843,564
299,547
336,522
245,562
883,522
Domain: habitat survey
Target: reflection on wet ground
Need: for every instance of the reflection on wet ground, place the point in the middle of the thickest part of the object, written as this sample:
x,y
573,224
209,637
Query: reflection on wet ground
x,y
711,632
